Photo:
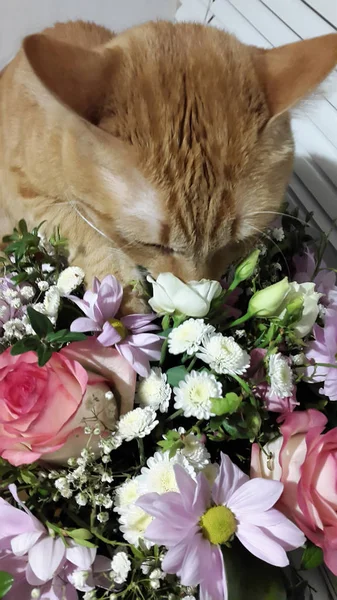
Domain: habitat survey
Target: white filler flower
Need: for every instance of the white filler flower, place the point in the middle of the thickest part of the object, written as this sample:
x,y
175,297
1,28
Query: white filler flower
x,y
224,355
154,391
137,423
120,567
69,280
280,375
189,336
194,394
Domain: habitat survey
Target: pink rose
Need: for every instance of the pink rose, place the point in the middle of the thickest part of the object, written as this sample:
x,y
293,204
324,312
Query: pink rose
x,y
304,460
43,411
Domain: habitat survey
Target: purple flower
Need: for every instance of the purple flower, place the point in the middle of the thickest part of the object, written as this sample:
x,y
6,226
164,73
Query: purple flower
x,y
274,398
129,334
325,280
324,350
194,523
38,560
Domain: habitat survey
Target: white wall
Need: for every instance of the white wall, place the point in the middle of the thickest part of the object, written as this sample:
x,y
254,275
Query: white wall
x,y
21,17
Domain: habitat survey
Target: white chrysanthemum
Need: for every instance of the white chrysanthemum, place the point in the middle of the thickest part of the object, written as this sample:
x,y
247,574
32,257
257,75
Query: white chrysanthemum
x,y
194,393
154,391
126,495
120,567
158,476
280,375
189,336
69,280
194,450
133,524
52,301
137,423
224,355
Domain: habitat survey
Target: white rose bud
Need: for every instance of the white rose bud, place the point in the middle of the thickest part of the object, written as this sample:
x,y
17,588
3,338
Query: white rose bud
x,y
192,299
267,302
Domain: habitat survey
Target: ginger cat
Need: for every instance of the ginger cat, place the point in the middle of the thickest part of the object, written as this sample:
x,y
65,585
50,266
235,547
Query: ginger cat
x,y
166,147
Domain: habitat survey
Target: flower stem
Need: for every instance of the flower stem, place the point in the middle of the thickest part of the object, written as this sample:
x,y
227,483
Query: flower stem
x,y
175,414
106,540
192,363
238,321
141,451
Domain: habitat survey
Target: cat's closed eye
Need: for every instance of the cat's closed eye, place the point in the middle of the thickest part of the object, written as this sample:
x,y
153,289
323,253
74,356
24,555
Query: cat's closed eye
x,y
164,249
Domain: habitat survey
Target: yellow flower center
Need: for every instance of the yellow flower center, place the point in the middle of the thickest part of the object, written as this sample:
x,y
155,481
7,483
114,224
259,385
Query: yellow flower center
x,y
218,524
120,328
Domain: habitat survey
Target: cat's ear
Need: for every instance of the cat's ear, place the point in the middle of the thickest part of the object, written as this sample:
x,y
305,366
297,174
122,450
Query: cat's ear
x,y
292,72
75,75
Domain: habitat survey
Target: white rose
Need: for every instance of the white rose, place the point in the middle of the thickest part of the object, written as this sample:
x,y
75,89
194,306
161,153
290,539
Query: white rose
x,y
305,291
192,299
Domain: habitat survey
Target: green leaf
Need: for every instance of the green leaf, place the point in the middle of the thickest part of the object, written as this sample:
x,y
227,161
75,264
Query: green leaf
x,y
80,534
64,336
165,333
137,553
6,582
44,354
23,226
227,405
176,374
312,557
29,477
263,581
25,345
40,323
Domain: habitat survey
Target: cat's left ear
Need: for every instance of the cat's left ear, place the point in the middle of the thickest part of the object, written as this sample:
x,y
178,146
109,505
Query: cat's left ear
x,y
291,73
76,76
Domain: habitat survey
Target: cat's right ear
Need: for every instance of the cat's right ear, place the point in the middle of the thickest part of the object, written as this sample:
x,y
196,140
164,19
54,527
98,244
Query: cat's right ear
x,y
291,73
75,76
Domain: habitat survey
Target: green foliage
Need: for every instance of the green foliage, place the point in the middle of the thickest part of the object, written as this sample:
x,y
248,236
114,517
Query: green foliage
x,y
227,405
245,572
312,557
176,374
6,583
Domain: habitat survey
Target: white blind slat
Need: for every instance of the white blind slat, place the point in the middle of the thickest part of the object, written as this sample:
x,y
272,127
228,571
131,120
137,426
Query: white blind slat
x,y
304,21
327,8
235,23
192,10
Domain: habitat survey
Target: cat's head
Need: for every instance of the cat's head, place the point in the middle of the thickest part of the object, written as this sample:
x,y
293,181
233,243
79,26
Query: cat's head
x,y
191,148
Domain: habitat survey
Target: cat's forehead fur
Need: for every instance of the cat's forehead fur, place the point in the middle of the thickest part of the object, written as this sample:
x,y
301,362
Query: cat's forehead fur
x,y
189,101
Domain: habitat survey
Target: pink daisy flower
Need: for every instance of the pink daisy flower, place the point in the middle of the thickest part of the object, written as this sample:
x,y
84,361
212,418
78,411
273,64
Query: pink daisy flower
x,y
130,335
194,522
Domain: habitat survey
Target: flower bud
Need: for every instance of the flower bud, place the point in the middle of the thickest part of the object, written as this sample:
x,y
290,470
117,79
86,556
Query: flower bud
x,y
266,302
247,267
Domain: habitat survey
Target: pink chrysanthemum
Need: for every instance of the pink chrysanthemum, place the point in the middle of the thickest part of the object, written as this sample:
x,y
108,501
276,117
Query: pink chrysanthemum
x,y
194,523
130,335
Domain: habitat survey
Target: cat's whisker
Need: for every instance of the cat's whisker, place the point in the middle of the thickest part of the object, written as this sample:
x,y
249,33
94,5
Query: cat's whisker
x,y
72,204
281,214
275,244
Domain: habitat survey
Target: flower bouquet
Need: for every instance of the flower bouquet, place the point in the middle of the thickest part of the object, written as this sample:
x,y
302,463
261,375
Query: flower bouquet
x,y
179,454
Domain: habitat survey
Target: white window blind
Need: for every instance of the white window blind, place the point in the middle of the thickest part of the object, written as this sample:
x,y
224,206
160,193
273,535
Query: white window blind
x,y
269,23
